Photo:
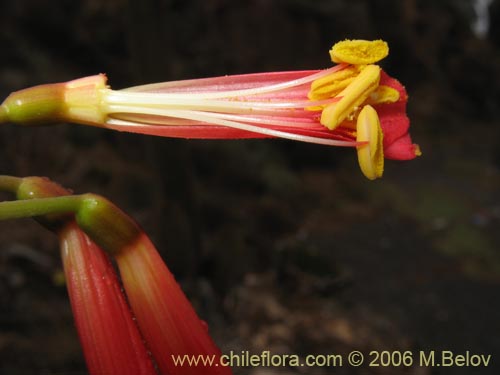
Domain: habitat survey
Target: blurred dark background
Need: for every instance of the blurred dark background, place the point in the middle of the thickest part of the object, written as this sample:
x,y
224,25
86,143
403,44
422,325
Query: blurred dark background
x,y
281,246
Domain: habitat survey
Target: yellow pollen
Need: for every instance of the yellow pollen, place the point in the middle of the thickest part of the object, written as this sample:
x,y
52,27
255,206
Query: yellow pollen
x,y
351,97
359,51
329,86
370,155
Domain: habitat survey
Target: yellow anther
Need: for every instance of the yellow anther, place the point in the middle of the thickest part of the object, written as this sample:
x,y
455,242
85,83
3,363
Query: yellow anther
x,y
383,95
332,84
351,97
359,51
370,155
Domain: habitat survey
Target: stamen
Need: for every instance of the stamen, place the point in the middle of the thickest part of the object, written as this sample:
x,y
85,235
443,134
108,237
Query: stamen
x,y
157,117
213,118
332,84
117,101
371,155
292,125
352,97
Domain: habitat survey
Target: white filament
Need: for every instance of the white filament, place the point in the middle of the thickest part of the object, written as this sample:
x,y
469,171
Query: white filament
x,y
133,99
213,118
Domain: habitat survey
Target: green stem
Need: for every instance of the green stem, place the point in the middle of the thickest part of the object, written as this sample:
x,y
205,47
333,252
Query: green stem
x,y
102,221
41,206
9,183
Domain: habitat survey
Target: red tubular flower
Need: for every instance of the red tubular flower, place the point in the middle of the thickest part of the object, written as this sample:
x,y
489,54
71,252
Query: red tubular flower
x,y
316,106
168,322
110,328
108,334
165,316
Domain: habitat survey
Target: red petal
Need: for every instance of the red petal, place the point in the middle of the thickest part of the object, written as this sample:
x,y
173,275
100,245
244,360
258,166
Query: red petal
x,y
401,149
188,131
395,123
224,83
